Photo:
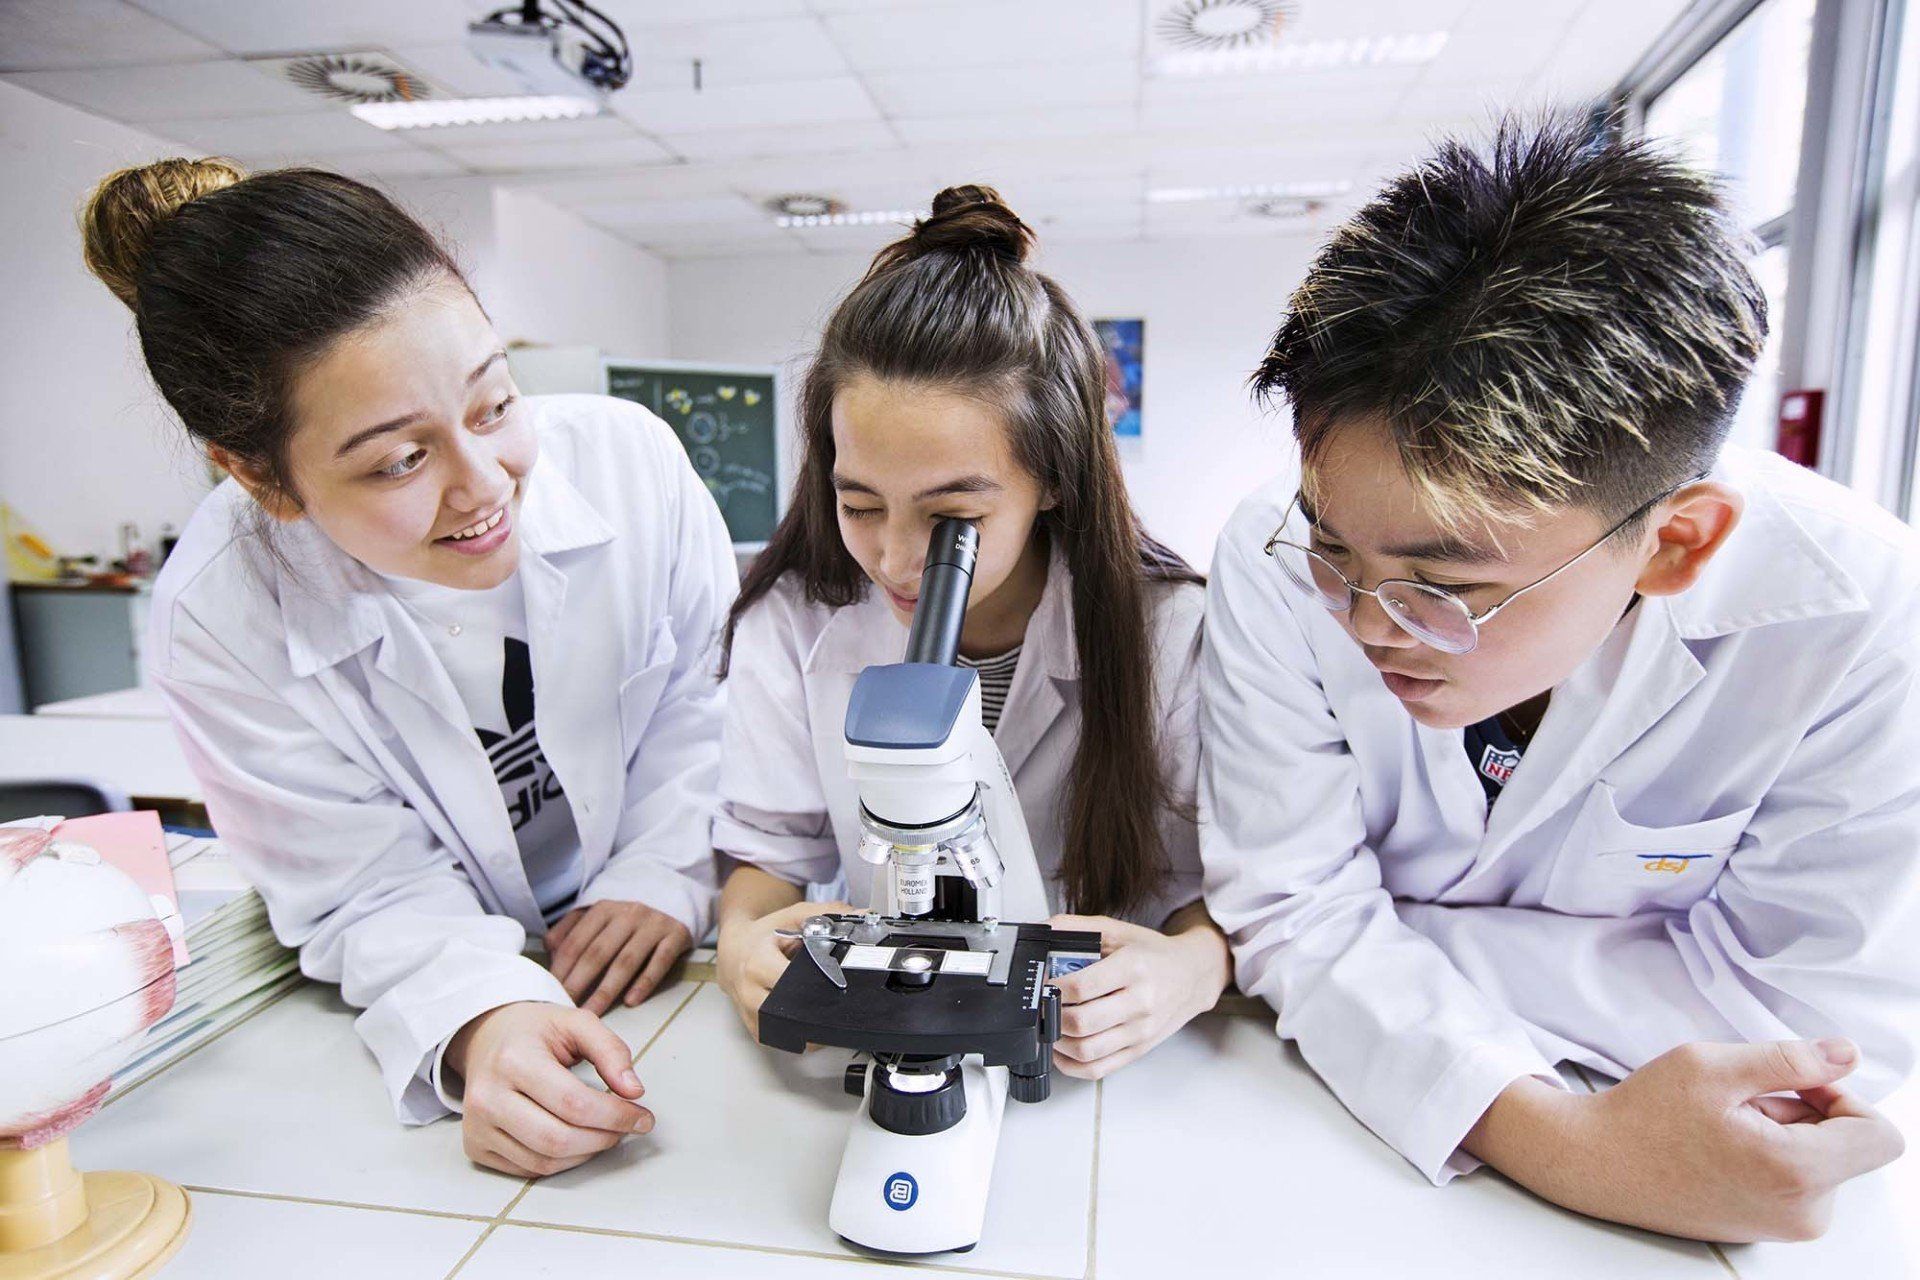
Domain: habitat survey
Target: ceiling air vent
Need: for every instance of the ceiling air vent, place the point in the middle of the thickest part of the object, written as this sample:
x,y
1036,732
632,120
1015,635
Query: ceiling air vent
x,y
351,78
1212,26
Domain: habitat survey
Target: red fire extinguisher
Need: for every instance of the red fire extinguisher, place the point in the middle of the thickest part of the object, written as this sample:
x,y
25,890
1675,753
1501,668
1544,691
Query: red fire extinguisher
x,y
1798,433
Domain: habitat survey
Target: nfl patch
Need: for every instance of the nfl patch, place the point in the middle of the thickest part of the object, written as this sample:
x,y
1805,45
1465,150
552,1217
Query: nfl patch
x,y
1499,765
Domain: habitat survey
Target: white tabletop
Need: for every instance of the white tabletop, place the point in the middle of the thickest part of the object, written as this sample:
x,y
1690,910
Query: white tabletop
x,y
140,757
121,704
1218,1154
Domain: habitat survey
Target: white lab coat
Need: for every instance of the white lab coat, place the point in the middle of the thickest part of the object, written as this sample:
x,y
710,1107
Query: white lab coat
x,y
786,804
1714,835
341,768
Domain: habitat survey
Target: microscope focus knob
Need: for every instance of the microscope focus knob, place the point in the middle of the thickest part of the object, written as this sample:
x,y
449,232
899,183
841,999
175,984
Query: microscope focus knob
x,y
854,1078
1034,1088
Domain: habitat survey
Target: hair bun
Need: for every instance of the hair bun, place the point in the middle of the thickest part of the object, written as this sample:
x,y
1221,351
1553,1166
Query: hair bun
x,y
973,217
128,207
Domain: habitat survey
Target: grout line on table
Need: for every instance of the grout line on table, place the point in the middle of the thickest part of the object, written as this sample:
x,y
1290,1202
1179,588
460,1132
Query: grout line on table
x,y
661,1029
1725,1261
1093,1185
527,1185
338,1204
784,1251
494,1225
235,1025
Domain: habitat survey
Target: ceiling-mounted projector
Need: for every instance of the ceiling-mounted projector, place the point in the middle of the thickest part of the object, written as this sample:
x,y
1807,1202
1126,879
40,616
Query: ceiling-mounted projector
x,y
558,48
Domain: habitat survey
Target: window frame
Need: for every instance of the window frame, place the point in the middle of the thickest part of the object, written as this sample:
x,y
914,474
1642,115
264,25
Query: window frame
x,y
1825,231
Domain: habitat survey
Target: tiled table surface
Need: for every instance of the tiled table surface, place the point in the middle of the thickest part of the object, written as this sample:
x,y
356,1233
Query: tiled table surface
x,y
1218,1154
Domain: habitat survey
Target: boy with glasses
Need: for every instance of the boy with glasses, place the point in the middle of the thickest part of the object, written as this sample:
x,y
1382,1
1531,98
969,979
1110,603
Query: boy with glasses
x,y
1538,727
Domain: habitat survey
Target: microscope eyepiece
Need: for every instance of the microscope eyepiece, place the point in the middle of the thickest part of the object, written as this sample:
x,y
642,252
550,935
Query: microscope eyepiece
x,y
944,585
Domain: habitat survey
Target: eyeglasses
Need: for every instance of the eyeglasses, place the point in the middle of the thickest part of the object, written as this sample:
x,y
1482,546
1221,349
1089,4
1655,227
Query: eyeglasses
x,y
1432,615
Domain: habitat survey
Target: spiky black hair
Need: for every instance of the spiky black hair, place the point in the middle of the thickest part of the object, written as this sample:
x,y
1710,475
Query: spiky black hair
x,y
1564,316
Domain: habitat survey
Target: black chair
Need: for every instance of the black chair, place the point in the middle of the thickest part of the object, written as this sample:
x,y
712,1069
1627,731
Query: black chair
x,y
62,797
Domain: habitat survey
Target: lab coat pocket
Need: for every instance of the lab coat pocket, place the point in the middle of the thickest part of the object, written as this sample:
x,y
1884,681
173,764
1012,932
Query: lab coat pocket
x,y
1609,866
640,692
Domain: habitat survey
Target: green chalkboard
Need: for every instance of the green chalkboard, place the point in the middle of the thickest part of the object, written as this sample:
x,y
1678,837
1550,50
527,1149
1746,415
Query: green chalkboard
x,y
726,420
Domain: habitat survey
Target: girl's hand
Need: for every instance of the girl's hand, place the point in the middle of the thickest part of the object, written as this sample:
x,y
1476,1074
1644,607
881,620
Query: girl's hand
x,y
750,959
1145,986
526,1114
614,951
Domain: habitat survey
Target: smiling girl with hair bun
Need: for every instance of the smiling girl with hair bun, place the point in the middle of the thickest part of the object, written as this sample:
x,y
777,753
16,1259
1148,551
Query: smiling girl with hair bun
x,y
437,653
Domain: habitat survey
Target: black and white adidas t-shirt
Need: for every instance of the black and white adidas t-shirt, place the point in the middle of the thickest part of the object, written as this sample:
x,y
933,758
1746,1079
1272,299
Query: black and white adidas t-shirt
x,y
481,639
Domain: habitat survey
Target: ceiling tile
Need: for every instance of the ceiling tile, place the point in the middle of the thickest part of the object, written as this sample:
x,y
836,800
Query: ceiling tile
x,y
996,33
1058,122
46,35
749,144
587,128
644,14
305,132
735,53
1601,45
337,25
1299,108
1006,90
605,154
837,100
453,66
407,162
173,91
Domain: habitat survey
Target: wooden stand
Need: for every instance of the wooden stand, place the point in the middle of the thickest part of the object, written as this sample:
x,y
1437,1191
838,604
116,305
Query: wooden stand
x,y
56,1224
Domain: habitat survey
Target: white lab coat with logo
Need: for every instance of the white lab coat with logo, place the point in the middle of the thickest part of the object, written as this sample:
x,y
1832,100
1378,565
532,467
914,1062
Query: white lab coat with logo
x,y
786,804
342,770
1714,835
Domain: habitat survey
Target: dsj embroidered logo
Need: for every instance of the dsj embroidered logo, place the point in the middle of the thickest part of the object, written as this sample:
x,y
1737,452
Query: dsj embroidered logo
x,y
1668,863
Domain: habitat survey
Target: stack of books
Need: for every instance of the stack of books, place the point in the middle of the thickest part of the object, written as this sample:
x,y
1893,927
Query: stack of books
x,y
235,966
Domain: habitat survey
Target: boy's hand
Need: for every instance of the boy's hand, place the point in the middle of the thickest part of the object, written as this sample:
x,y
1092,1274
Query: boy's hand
x,y
1691,1144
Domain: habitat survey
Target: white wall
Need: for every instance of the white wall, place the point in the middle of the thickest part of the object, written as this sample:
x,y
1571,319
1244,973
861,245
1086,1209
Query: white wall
x,y
85,441
1210,308
543,274
565,282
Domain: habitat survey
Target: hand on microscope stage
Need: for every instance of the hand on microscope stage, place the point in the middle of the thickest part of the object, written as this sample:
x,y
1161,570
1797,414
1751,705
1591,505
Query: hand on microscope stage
x,y
1146,986
614,952
750,958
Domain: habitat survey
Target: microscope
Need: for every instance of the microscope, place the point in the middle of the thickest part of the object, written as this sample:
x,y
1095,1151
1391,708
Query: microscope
x,y
941,986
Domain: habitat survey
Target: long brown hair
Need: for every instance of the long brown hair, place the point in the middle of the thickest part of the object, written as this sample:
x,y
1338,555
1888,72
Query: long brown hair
x,y
953,304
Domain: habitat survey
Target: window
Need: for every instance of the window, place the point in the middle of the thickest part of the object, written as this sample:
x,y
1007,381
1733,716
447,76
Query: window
x,y
1736,110
1886,426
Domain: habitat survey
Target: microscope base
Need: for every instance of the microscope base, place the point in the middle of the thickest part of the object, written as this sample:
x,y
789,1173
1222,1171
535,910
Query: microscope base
x,y
919,1194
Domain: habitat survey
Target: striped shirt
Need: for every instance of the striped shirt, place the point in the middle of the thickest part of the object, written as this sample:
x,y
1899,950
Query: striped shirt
x,y
996,677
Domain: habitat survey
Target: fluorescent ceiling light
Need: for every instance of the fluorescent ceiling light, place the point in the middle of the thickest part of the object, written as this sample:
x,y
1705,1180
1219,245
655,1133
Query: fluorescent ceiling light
x,y
1307,55
441,112
1282,190
858,218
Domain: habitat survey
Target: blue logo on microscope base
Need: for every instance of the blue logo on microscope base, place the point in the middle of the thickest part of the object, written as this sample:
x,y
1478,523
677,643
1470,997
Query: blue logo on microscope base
x,y
901,1192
